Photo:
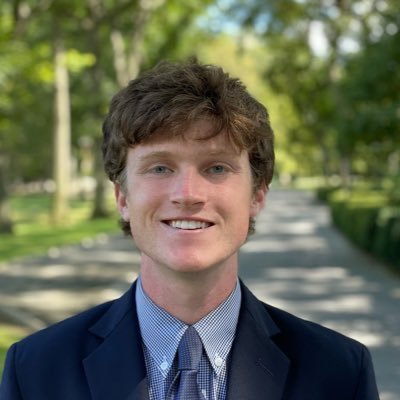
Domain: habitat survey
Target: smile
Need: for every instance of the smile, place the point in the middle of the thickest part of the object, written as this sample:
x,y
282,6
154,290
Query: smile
x,y
188,224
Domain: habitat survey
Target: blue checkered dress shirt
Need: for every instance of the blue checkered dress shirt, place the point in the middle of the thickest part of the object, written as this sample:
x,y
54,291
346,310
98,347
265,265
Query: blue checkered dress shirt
x,y
161,333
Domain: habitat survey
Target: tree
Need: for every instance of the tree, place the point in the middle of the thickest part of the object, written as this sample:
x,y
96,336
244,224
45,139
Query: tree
x,y
62,130
22,82
314,73
371,98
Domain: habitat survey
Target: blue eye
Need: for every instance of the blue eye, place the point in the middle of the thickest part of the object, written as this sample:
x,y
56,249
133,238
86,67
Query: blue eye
x,y
160,170
218,169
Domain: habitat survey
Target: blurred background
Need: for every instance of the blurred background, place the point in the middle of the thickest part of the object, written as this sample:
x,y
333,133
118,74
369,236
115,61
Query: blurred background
x,y
327,70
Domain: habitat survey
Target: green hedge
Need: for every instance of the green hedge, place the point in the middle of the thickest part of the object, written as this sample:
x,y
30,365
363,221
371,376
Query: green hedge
x,y
369,220
324,192
386,242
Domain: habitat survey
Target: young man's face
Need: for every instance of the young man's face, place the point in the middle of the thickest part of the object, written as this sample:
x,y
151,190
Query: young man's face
x,y
188,201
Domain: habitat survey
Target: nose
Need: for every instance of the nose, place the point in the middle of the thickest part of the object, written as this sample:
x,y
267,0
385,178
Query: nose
x,y
188,188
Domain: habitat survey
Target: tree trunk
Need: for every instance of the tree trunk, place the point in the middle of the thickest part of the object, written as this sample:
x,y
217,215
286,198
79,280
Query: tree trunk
x,y
135,55
62,134
6,225
100,208
127,63
119,58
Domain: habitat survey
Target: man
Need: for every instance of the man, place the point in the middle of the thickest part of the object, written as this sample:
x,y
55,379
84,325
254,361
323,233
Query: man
x,y
190,154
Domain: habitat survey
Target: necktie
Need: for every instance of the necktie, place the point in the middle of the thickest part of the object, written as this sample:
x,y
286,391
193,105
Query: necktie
x,y
189,354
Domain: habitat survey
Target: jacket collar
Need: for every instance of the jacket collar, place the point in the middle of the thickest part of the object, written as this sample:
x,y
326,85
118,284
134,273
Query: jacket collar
x,y
258,368
116,369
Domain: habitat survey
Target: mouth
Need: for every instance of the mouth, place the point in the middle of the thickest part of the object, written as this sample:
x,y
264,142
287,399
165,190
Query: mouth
x,y
186,224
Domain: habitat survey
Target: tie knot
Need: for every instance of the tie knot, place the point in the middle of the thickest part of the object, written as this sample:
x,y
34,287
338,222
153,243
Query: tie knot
x,y
190,350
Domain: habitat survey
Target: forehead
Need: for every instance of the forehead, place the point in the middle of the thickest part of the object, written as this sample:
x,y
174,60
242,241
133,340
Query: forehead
x,y
200,137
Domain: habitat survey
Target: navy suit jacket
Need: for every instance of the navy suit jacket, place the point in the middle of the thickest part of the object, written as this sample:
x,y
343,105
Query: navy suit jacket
x,y
97,355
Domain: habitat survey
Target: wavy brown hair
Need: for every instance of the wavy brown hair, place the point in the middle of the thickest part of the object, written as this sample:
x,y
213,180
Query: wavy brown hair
x,y
170,97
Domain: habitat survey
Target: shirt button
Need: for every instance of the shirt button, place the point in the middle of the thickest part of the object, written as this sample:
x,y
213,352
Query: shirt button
x,y
218,361
164,365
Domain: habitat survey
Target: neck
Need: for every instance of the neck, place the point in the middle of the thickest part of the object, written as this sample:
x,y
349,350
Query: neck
x,y
189,296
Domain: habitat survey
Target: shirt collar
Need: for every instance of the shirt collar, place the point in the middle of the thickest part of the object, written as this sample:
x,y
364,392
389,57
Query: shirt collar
x,y
161,332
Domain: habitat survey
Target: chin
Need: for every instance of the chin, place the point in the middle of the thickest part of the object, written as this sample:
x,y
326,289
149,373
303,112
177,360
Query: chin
x,y
189,267
199,264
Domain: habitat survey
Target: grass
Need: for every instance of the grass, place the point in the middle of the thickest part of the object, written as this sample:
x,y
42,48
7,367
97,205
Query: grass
x,y
8,335
34,233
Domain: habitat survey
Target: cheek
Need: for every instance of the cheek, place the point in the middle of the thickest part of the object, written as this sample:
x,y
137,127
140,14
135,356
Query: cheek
x,y
239,211
144,201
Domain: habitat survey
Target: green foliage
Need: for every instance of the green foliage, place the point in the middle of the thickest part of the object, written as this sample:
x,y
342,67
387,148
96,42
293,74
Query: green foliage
x,y
323,193
172,31
371,96
25,106
78,61
357,221
368,219
386,243
345,98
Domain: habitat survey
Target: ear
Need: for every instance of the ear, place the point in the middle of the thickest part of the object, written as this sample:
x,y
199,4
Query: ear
x,y
121,201
258,200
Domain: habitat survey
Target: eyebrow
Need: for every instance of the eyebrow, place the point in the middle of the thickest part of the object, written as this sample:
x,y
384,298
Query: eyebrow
x,y
154,155
163,154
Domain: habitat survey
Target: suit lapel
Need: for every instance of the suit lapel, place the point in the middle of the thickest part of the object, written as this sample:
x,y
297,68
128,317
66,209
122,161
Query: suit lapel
x,y
258,369
116,369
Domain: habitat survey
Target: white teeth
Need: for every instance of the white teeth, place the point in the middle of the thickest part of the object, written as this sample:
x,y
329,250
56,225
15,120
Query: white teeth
x,y
185,224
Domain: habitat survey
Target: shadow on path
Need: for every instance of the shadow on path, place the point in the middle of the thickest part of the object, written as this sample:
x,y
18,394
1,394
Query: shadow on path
x,y
39,291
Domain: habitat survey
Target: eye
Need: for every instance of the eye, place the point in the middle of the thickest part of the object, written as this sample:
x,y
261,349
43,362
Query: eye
x,y
217,169
160,170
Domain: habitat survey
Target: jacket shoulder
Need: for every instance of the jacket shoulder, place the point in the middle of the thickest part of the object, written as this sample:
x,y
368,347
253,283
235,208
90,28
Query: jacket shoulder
x,y
295,327
308,343
64,334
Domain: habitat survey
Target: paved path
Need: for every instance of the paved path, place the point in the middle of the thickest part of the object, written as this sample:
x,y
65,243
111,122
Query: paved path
x,y
296,261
